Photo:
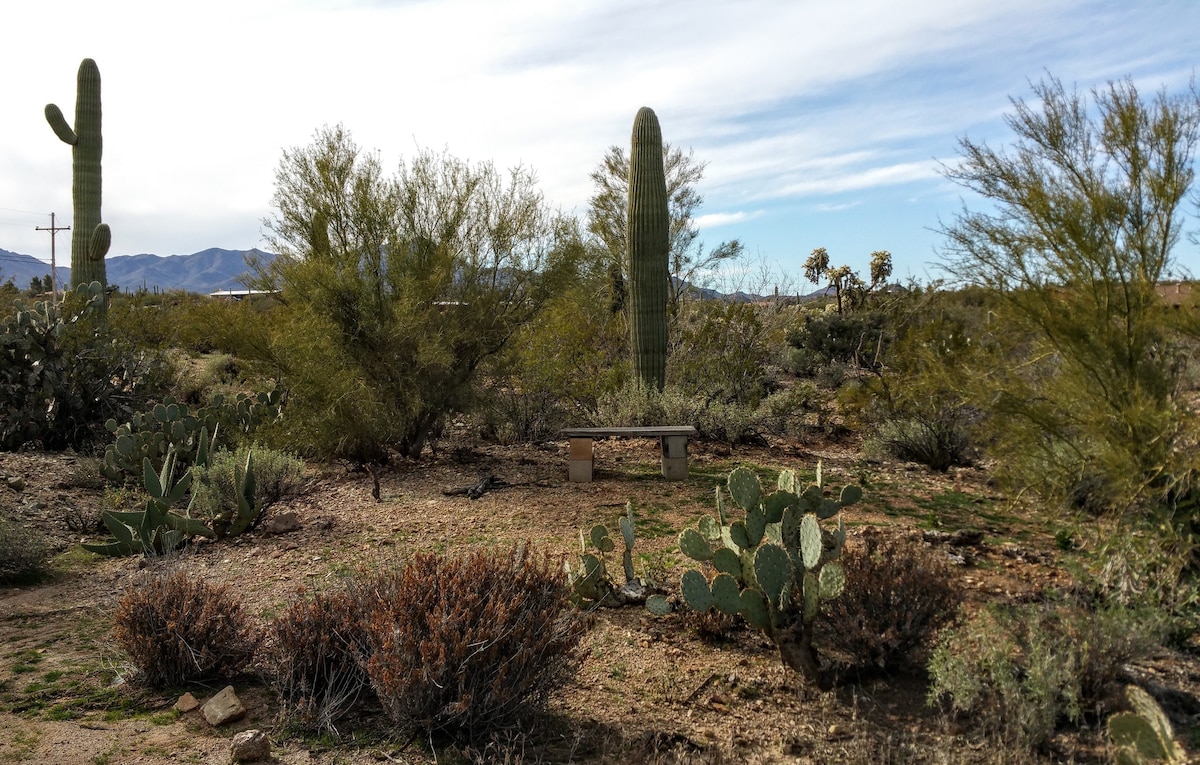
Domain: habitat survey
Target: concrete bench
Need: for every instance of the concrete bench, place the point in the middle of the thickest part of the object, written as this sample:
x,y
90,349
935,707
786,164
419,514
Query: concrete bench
x,y
673,439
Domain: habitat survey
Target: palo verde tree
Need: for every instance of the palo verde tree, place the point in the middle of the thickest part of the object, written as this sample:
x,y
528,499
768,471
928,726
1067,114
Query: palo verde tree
x,y
1083,214
396,289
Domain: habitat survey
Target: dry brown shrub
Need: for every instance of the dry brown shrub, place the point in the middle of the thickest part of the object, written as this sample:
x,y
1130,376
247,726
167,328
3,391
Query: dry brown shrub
x,y
176,629
470,645
314,657
899,593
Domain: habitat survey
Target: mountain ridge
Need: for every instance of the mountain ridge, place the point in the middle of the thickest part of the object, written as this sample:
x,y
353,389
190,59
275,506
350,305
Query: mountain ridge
x,y
211,270
202,272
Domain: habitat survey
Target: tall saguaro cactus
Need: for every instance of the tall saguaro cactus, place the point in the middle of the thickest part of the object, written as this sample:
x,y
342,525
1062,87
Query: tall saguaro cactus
x,y
90,238
648,235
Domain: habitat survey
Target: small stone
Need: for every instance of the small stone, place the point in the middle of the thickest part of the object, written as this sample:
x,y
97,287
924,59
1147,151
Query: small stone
x,y
223,708
187,702
282,523
250,746
15,482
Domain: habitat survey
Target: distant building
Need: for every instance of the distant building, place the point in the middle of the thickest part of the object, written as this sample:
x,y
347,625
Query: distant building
x,y
1176,293
239,294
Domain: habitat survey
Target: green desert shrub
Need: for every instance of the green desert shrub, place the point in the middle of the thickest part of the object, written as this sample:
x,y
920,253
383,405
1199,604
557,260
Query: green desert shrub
x,y
237,327
851,340
1150,569
24,553
177,628
151,320
395,291
555,369
722,351
1021,671
214,496
197,379
469,645
939,438
633,406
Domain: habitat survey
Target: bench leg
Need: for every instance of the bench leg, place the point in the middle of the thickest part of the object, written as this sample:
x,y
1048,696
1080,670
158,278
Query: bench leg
x,y
579,467
674,458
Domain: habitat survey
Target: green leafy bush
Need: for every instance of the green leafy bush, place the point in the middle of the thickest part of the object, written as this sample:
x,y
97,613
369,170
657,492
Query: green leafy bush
x,y
214,488
1020,671
1086,370
939,438
798,411
396,290
176,628
151,320
470,645
822,339
899,594
197,380
1150,569
314,656
23,553
722,352
633,405
556,367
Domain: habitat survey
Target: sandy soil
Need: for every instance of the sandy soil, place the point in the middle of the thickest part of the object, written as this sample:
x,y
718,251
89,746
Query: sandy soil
x,y
649,685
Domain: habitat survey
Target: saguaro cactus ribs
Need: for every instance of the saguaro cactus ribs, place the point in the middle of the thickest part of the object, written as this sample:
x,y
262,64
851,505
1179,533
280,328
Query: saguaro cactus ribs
x,y
90,239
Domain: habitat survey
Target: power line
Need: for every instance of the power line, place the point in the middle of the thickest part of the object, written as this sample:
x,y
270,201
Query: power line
x,y
26,212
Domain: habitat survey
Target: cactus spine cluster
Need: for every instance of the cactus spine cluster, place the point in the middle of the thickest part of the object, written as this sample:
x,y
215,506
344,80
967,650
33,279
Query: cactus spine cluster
x,y
90,239
773,566
648,235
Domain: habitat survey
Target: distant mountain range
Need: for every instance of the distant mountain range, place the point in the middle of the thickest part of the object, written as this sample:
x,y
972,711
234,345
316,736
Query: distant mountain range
x,y
203,272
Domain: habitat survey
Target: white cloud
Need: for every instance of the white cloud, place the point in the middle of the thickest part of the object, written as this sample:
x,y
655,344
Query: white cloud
x,y
785,100
713,220
837,207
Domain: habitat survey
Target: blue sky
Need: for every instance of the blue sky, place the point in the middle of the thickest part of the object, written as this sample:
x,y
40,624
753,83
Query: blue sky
x,y
823,123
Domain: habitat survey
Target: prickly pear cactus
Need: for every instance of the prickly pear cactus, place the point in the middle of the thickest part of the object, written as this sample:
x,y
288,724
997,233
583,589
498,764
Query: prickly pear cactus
x,y
648,239
90,239
1145,734
775,564
591,584
149,435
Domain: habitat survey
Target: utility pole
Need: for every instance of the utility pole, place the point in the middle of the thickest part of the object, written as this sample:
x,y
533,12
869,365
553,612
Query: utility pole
x,y
53,268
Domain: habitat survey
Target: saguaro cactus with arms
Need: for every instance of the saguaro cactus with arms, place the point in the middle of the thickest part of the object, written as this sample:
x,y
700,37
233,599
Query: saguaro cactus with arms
x,y
90,238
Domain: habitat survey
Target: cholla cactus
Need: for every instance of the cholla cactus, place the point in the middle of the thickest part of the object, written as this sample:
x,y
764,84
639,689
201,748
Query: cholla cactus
x,y
90,239
773,566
